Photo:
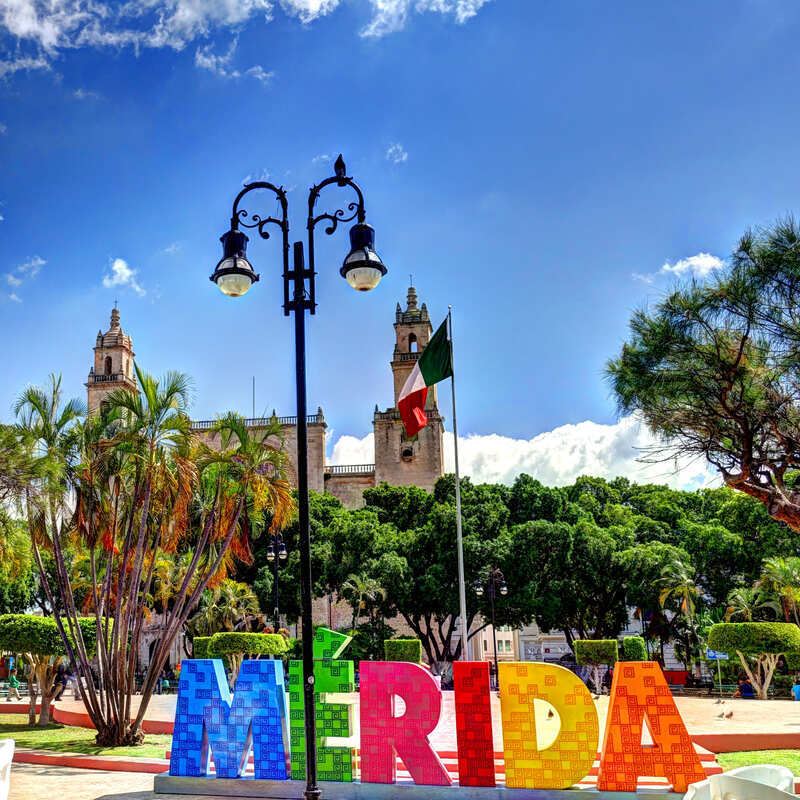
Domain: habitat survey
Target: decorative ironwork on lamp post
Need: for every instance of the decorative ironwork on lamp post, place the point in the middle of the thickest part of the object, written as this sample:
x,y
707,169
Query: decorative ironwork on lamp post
x,y
276,552
234,275
495,582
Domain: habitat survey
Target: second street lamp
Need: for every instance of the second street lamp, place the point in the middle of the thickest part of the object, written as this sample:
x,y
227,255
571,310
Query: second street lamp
x,y
495,582
276,552
234,275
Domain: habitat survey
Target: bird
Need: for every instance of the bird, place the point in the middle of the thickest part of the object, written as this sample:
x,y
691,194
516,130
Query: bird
x,y
729,715
721,715
550,714
339,167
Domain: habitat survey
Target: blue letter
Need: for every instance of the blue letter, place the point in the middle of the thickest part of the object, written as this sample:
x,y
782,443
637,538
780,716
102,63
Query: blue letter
x,y
255,717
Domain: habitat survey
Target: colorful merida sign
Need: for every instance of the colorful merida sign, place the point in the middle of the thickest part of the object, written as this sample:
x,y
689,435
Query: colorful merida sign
x,y
211,721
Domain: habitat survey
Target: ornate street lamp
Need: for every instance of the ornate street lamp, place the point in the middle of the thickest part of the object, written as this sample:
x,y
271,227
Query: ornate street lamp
x,y
495,582
234,275
276,552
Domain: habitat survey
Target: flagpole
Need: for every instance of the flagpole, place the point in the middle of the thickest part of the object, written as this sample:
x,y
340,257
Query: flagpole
x,y
462,595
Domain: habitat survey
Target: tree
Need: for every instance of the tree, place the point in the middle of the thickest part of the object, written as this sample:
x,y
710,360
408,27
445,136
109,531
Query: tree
x,y
762,642
634,649
748,605
781,578
678,585
361,592
235,646
225,608
594,653
140,486
714,370
38,640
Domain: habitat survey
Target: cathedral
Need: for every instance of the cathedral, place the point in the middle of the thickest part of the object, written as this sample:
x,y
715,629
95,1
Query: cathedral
x,y
398,460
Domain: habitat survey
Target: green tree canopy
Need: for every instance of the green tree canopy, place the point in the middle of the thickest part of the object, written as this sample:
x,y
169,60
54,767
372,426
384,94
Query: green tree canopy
x,y
714,369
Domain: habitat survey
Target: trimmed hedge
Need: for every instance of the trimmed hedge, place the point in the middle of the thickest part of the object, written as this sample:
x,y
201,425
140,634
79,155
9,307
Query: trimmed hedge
x,y
634,649
251,644
403,650
39,636
200,646
592,652
754,638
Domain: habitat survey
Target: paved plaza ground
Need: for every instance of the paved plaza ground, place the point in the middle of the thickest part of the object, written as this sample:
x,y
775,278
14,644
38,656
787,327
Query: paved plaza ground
x,y
701,714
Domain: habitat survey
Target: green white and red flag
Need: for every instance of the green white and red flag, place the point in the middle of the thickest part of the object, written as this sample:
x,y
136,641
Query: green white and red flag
x,y
434,365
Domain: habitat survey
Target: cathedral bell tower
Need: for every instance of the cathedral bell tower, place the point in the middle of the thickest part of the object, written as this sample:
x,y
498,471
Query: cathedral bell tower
x,y
401,461
113,364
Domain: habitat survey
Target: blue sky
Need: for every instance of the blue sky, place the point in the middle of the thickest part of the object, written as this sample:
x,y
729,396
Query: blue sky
x,y
544,166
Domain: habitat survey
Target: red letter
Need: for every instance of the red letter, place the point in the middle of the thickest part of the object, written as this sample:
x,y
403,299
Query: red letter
x,y
383,734
474,723
640,691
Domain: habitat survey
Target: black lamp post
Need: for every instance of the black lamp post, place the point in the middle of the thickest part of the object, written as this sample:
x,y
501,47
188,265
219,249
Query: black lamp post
x,y
363,269
495,582
276,552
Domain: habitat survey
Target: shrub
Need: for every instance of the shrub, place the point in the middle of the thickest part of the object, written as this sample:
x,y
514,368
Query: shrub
x,y
238,645
634,649
783,685
39,640
200,646
403,650
593,652
759,642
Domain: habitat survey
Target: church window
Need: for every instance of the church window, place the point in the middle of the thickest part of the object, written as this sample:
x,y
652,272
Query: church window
x,y
108,365
413,345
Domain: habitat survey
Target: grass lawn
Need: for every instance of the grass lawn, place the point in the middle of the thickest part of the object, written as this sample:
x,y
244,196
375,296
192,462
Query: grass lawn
x,y
781,758
68,739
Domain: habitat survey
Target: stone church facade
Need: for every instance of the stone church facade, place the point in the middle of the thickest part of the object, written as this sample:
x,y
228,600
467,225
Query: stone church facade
x,y
398,460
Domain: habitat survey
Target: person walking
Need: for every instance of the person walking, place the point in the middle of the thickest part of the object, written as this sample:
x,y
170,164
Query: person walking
x,y
13,685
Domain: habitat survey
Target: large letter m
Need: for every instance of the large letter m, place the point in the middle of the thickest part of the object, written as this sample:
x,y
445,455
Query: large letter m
x,y
209,720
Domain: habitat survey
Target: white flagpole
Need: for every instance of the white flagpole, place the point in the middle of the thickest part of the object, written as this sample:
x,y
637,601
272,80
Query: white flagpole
x,y
462,595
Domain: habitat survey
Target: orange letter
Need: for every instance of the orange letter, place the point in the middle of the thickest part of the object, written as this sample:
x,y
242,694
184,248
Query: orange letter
x,y
639,690
570,757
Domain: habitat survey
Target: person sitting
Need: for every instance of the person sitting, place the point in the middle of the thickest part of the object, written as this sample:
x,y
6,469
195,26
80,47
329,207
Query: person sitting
x,y
796,689
61,682
746,690
13,685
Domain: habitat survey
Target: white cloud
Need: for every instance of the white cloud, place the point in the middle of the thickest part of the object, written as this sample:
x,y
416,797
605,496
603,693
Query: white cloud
x,y
31,267
308,10
86,94
699,266
260,74
22,64
389,16
396,154
173,248
50,27
647,278
324,157
15,298
205,58
1,217
3,129
13,280
556,457
122,275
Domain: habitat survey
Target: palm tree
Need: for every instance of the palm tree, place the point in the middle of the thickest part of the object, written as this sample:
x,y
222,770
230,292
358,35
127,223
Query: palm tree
x,y
158,517
360,590
748,604
677,584
781,578
224,608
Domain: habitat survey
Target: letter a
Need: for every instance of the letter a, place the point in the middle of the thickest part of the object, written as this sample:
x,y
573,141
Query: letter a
x,y
640,691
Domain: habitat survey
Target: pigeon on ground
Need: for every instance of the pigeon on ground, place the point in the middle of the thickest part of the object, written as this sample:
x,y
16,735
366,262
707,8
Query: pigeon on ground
x,y
729,715
721,715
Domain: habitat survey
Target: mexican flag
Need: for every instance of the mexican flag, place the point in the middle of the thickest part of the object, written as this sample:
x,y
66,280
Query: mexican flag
x,y
434,365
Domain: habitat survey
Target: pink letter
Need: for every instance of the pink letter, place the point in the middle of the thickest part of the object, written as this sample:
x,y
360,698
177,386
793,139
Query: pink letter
x,y
383,734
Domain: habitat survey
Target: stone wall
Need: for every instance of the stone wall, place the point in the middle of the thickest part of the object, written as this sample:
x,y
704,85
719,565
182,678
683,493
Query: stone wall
x,y
316,451
349,488
403,462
